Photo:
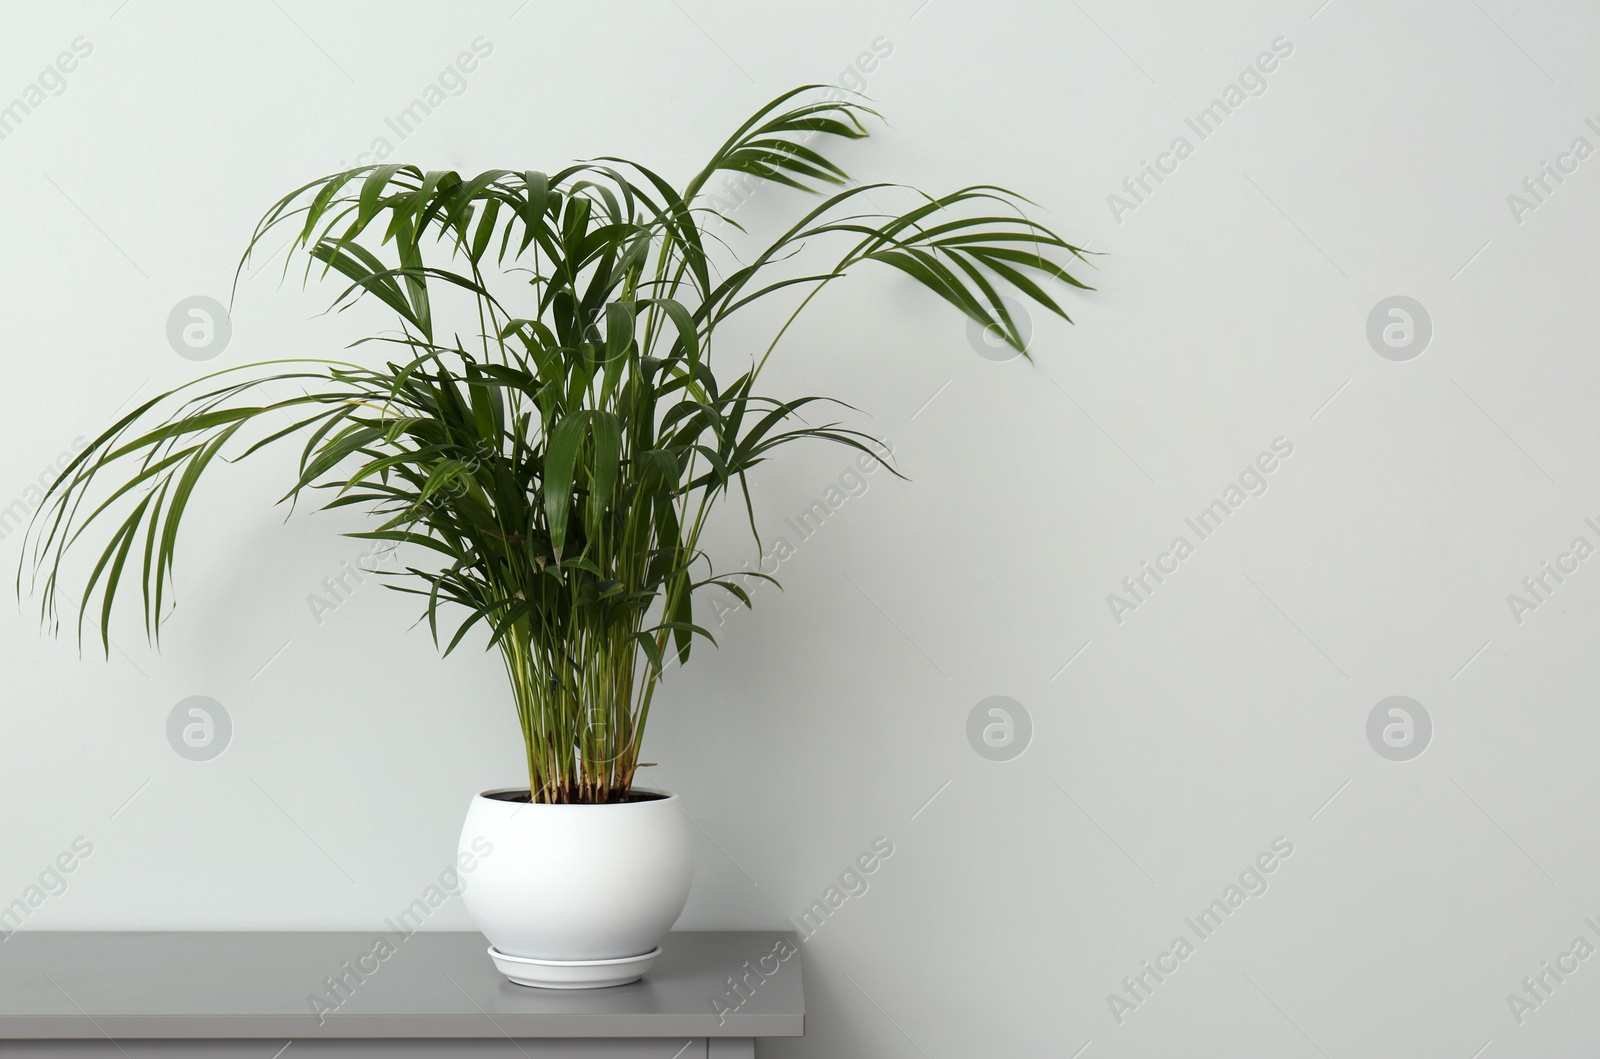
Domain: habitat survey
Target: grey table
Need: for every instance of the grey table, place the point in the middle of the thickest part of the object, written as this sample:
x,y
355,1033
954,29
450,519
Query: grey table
x,y
434,995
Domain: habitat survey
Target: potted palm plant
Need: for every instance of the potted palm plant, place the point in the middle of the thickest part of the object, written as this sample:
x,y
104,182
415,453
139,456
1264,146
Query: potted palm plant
x,y
547,460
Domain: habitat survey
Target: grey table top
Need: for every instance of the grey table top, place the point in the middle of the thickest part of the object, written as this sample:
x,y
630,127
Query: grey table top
x,y
184,985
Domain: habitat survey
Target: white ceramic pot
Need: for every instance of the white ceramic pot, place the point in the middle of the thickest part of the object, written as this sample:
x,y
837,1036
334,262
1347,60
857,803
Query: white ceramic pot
x,y
576,896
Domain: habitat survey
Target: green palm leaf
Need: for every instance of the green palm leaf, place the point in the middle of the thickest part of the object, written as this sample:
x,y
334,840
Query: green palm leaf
x,y
558,451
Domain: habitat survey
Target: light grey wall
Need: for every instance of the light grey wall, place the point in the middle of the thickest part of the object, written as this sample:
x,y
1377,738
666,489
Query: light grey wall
x,y
1211,719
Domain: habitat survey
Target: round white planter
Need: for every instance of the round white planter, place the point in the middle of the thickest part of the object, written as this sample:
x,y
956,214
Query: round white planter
x,y
576,896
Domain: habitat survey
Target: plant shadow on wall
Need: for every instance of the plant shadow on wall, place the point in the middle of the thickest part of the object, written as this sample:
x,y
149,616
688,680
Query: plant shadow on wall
x,y
560,446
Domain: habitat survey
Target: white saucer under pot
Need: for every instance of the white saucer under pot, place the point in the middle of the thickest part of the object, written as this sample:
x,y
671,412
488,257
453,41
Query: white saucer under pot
x,y
575,896
573,974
